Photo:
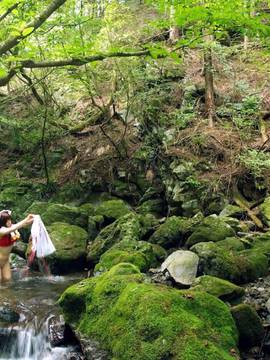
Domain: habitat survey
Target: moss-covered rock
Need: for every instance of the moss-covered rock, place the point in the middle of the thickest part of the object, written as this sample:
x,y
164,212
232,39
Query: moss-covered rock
x,y
70,242
149,223
224,262
173,232
212,228
220,288
265,210
139,253
134,320
87,209
112,210
66,214
127,228
152,206
233,211
248,324
37,207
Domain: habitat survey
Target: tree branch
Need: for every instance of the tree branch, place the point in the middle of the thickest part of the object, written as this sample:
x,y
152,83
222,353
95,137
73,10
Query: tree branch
x,y
35,24
8,11
6,79
30,64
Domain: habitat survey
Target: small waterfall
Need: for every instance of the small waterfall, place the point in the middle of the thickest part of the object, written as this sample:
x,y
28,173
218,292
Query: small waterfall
x,y
30,342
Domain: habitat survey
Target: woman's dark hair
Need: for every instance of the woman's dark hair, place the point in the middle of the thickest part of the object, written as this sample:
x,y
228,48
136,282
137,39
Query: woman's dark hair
x,y
4,217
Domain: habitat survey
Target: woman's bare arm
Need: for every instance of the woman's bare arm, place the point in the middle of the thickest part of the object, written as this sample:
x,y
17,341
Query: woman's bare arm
x,y
27,221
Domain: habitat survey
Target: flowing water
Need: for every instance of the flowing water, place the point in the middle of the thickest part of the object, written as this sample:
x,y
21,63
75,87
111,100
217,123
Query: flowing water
x,y
31,302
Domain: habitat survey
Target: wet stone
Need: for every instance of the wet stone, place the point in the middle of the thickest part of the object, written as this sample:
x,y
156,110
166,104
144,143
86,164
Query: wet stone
x,y
8,315
56,329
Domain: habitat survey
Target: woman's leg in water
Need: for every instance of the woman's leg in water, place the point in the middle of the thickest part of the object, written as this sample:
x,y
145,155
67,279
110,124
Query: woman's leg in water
x,y
6,272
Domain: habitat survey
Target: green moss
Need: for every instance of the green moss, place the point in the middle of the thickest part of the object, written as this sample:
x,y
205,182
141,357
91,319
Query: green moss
x,y
64,213
135,320
37,207
149,224
139,253
152,206
112,209
265,210
237,266
212,228
172,232
248,324
70,243
126,228
220,288
87,209
232,211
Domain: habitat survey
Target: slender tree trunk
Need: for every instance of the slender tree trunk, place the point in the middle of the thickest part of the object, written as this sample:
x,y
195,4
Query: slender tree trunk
x,y
210,108
174,29
43,144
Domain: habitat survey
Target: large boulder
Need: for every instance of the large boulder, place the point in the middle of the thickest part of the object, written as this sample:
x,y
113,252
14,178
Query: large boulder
x,y
70,242
112,210
225,261
51,213
139,253
127,228
133,319
212,228
37,207
173,231
248,324
220,288
65,214
182,266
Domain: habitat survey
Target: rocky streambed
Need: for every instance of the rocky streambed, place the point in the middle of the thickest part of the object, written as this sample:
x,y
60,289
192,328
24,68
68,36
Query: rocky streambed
x,y
31,326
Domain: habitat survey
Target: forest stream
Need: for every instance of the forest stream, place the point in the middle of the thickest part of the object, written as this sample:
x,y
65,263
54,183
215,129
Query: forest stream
x,y
28,316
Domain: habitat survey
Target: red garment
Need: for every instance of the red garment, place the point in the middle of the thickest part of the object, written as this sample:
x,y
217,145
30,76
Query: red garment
x,y
6,241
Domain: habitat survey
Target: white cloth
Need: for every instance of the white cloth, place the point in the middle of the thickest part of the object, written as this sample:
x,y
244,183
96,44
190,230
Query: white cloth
x,y
41,241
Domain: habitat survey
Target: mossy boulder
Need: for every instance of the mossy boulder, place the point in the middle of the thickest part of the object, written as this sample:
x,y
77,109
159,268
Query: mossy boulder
x,y
131,319
173,231
248,324
149,223
139,253
112,210
220,288
212,228
265,210
37,207
233,211
87,209
127,228
70,242
66,214
152,206
225,262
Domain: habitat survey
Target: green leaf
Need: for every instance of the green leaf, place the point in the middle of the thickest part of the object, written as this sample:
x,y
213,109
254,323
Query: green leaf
x,y
27,31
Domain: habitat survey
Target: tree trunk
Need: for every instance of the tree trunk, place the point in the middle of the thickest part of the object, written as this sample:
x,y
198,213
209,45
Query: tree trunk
x,y
210,108
174,30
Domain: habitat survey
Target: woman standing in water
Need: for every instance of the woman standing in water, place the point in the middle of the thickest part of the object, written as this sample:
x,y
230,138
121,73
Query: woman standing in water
x,y
7,239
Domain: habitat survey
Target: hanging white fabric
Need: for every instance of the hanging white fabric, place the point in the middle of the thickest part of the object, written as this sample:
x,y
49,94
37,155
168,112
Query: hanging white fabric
x,y
42,244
